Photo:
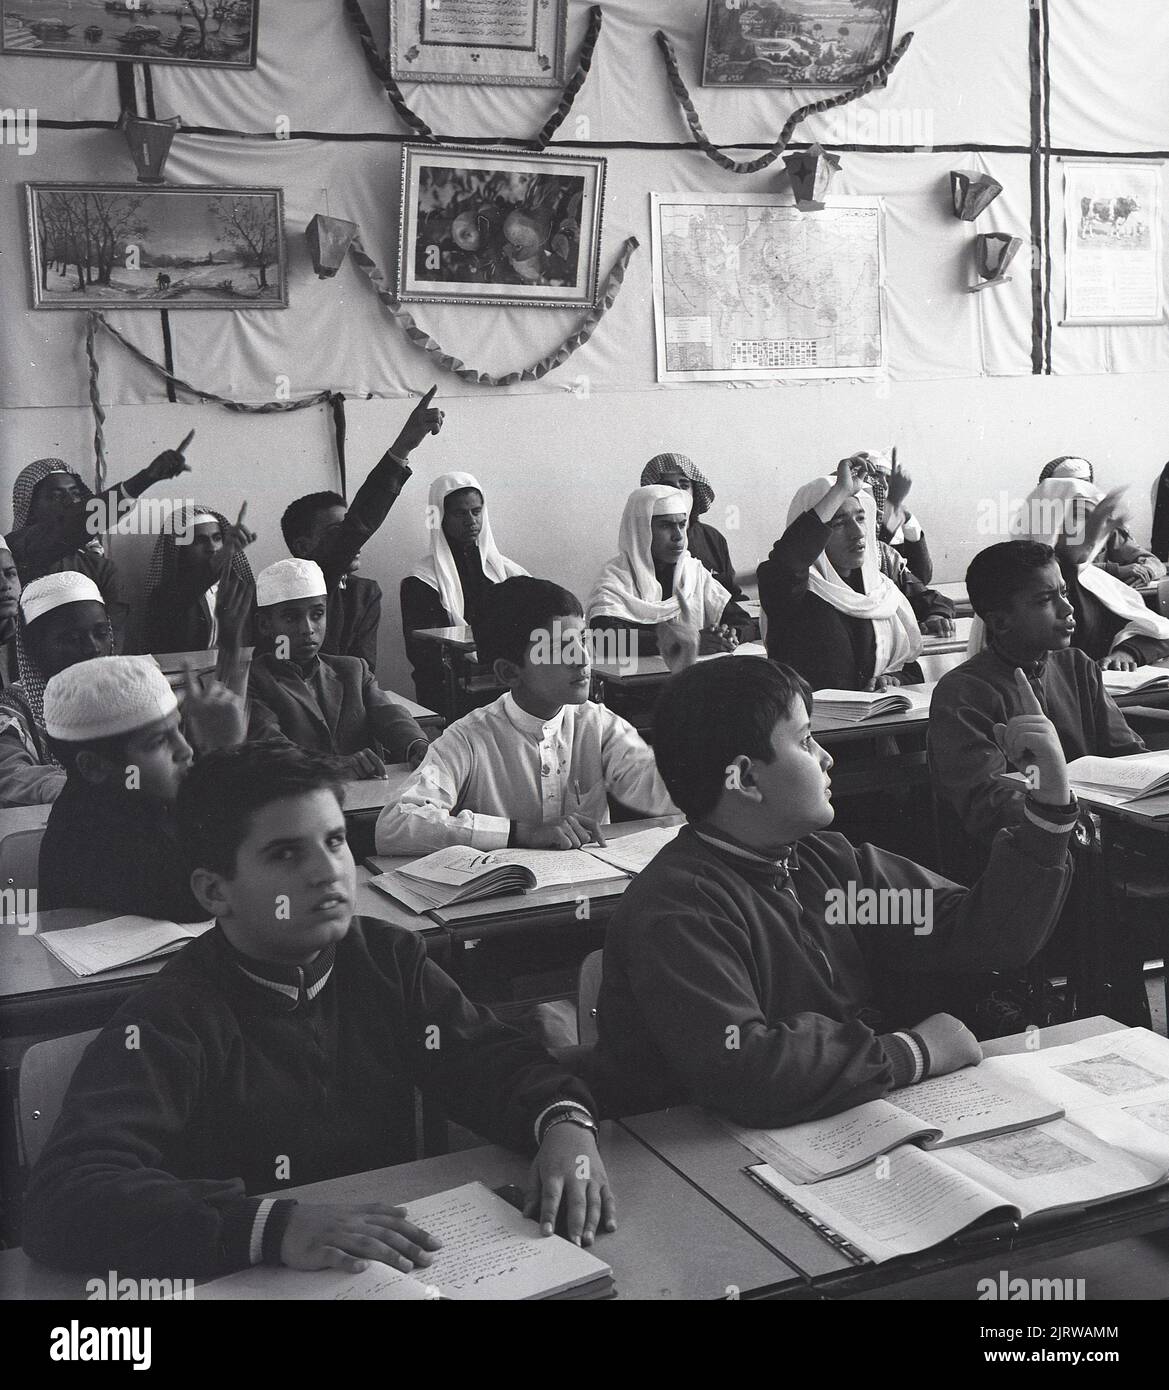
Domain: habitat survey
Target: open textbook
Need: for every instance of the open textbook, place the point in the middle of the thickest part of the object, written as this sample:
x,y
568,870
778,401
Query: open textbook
x,y
460,874
1121,780
1140,678
969,1104
854,706
1113,1141
490,1251
118,942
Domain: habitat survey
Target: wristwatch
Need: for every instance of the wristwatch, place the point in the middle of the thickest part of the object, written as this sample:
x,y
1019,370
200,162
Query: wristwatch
x,y
574,1117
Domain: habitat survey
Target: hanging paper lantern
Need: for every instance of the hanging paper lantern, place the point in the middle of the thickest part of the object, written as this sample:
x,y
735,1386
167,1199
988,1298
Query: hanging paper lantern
x,y
972,193
149,143
993,252
328,240
810,172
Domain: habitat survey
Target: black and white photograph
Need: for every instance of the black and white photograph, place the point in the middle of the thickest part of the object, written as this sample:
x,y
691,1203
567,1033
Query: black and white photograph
x,y
129,247
594,726
796,43
490,227
196,33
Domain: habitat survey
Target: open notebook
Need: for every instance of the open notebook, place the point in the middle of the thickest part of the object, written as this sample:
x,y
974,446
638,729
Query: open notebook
x,y
118,942
460,874
1121,780
1113,1141
490,1252
1129,682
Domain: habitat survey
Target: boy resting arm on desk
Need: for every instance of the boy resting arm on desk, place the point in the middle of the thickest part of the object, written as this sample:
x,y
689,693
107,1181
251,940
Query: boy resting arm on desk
x,y
281,1048
330,705
534,768
741,966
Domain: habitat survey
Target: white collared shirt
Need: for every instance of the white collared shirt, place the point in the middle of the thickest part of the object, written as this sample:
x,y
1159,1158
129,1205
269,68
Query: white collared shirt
x,y
500,764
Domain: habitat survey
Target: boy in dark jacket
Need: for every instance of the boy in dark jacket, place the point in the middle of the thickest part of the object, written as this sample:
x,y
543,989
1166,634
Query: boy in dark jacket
x,y
282,1048
742,966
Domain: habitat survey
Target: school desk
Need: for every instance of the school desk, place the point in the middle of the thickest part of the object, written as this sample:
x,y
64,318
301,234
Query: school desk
x,y
39,996
671,1242
498,941
456,647
696,1145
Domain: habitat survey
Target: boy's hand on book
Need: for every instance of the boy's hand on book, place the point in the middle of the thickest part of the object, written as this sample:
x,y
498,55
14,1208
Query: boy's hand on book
x,y
568,1172
1119,661
570,832
950,1043
1031,745
938,626
720,638
348,1237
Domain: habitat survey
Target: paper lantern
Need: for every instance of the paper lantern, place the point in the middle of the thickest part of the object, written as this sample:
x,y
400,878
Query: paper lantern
x,y
810,172
328,242
972,193
993,252
149,143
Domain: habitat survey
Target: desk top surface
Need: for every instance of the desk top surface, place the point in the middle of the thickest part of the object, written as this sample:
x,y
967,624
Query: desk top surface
x,y
671,1242
460,636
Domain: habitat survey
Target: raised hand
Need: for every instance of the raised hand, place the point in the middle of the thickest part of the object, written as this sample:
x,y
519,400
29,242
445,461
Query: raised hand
x,y
215,717
423,420
852,475
899,484
170,463
677,645
1107,516
233,607
1031,745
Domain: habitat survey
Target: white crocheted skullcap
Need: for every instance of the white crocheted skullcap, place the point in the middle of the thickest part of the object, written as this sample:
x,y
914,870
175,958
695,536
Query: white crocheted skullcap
x,y
105,697
287,580
51,591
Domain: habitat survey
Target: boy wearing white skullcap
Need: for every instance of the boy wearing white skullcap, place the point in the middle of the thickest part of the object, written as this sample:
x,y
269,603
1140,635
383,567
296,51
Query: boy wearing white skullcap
x,y
331,705
62,621
114,723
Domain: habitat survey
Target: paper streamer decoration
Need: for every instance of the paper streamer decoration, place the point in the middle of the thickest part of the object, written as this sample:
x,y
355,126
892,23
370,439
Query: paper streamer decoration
x,y
421,339
753,166
99,414
380,69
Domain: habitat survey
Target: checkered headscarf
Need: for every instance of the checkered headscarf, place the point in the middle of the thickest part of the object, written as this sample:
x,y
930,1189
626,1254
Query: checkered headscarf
x,y
26,484
164,562
651,475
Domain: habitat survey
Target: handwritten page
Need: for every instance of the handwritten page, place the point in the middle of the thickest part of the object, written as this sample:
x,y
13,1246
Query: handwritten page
x,y
912,1203
263,1282
971,1102
631,853
1137,773
491,1251
808,1152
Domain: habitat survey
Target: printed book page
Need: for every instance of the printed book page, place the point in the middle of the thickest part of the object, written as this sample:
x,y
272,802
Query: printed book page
x,y
119,941
631,853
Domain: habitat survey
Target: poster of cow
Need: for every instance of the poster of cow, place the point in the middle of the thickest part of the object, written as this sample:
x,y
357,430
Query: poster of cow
x,y
1113,237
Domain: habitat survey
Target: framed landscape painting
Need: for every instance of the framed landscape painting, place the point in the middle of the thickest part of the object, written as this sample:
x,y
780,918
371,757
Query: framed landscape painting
x,y
197,33
125,246
796,43
486,226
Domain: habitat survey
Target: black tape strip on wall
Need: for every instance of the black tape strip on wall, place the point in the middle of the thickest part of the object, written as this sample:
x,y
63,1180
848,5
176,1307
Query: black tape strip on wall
x,y
1035,179
1047,227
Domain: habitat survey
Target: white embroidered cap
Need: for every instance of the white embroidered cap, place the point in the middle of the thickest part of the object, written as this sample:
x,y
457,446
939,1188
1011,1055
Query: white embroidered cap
x,y
51,591
287,580
107,696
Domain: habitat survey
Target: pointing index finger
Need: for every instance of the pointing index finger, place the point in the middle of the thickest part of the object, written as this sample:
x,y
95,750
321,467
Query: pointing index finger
x,y
183,446
425,401
1026,695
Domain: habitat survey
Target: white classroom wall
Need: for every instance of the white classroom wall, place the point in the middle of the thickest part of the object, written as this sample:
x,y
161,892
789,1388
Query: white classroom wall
x,y
557,458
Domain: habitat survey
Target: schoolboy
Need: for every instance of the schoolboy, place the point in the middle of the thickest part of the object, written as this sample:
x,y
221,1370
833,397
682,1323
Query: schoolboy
x,y
535,767
283,1048
330,705
110,841
733,977
320,527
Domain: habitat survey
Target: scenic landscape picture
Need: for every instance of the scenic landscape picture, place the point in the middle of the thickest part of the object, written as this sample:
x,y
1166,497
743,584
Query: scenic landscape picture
x,y
128,247
205,33
497,228
797,43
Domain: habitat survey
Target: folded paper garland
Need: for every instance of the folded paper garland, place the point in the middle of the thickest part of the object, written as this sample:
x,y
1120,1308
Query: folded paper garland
x,y
99,414
753,166
421,339
380,69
